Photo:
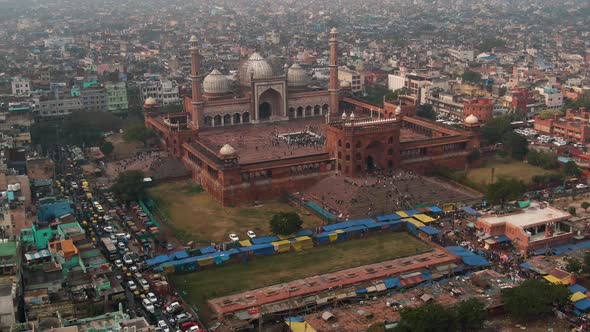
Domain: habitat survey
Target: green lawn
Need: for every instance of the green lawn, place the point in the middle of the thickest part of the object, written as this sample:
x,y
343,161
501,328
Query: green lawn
x,y
265,271
504,167
194,215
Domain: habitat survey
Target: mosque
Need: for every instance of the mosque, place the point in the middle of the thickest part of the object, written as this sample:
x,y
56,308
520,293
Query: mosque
x,y
269,133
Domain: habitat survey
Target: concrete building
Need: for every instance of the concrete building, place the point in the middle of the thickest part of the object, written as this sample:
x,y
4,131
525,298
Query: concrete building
x,y
165,92
355,78
94,99
21,86
396,82
116,96
553,97
534,227
460,54
575,126
482,108
59,106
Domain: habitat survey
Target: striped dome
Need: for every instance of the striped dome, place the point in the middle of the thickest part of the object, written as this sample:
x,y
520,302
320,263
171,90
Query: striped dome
x,y
216,82
256,68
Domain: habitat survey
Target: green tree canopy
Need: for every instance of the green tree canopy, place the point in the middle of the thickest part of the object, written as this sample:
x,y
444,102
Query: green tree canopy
x,y
573,265
503,190
571,210
138,132
493,131
546,160
285,223
107,148
586,264
515,144
426,111
571,169
585,206
431,317
471,76
470,315
533,298
129,186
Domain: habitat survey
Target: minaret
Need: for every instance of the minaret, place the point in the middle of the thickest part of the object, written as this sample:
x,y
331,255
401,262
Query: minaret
x,y
197,100
334,84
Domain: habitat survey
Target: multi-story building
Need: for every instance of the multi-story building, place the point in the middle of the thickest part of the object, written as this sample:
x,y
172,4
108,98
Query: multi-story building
x,y
575,126
553,97
94,99
417,86
58,106
164,91
21,86
116,96
355,78
467,55
482,108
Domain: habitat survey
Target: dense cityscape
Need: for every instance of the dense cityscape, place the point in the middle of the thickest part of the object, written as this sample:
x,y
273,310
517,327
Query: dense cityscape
x,y
401,165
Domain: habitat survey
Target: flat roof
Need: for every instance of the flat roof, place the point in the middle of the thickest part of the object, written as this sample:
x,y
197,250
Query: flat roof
x,y
533,215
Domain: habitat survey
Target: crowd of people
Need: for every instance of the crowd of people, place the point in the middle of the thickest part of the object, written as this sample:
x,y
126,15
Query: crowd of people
x,y
141,161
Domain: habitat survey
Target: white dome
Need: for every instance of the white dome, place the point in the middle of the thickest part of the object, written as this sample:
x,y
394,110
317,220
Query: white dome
x,y
352,116
256,68
398,110
193,38
216,82
150,101
471,119
227,150
345,84
343,115
297,76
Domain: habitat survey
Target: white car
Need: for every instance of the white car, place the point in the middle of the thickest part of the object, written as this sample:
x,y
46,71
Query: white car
x,y
152,297
581,186
131,285
173,307
109,229
148,306
127,260
121,245
234,237
144,284
118,263
251,234
163,326
193,328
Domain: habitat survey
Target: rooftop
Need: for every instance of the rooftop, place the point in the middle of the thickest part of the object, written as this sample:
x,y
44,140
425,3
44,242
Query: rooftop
x,y
533,215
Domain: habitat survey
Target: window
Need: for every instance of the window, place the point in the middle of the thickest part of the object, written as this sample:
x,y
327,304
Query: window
x,y
358,144
339,155
358,156
347,157
348,145
339,143
390,152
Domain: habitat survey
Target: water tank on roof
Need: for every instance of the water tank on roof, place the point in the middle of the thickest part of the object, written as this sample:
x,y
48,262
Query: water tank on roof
x,y
4,194
10,187
16,186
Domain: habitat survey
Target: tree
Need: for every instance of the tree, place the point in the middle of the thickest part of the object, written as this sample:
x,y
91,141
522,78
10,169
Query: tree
x,y
138,132
571,210
585,206
586,265
129,186
573,265
431,317
546,160
505,189
473,156
571,169
285,223
470,315
533,298
471,76
515,144
107,148
426,111
493,131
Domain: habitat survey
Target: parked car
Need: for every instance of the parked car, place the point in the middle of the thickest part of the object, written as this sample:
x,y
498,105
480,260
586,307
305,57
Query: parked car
x,y
152,297
182,318
108,229
234,237
131,285
173,308
251,234
127,259
148,305
118,263
163,326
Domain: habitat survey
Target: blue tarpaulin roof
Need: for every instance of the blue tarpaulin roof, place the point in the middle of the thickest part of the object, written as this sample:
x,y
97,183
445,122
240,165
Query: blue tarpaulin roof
x,y
304,232
265,239
392,282
429,230
389,217
255,247
411,212
347,224
158,260
577,288
220,253
475,260
361,291
181,254
526,266
435,209
582,305
470,210
207,250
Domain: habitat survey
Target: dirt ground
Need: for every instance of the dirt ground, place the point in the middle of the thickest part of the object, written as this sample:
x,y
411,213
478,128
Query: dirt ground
x,y
194,215
505,167
542,325
122,149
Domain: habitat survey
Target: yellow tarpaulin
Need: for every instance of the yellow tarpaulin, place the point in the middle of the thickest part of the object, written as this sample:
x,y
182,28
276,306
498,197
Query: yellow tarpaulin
x,y
303,242
402,214
301,327
282,246
205,261
415,222
553,279
245,243
333,237
577,296
285,237
423,218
